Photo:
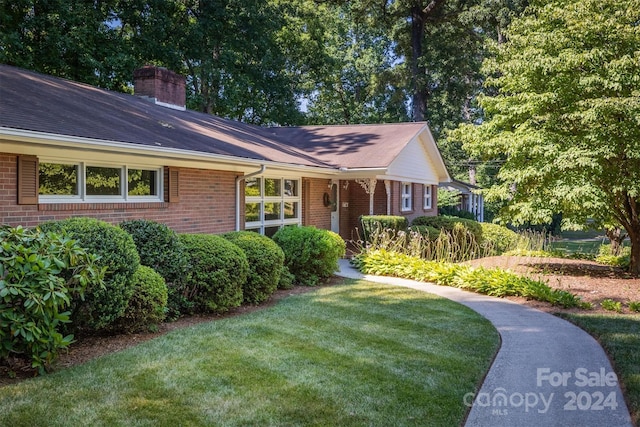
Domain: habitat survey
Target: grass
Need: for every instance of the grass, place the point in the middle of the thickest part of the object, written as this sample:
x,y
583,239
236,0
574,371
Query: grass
x,y
619,336
349,355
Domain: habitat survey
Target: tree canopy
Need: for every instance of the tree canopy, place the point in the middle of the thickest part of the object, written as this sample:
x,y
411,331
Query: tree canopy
x,y
565,115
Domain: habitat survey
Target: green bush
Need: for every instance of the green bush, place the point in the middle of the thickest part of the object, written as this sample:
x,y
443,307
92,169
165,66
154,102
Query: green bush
x,y
454,211
218,273
102,306
266,261
498,238
159,248
311,254
287,280
371,223
495,282
40,274
606,257
448,224
611,305
426,231
147,306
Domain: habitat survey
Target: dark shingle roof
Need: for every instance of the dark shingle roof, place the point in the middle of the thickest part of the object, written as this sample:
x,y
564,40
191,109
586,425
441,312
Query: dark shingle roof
x,y
36,102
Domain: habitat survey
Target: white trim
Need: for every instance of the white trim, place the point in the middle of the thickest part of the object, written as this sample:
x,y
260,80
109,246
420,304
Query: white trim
x,y
123,197
406,197
262,199
427,199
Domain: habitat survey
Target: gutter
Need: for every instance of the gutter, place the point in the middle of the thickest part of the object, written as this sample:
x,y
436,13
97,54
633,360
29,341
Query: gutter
x,y
240,179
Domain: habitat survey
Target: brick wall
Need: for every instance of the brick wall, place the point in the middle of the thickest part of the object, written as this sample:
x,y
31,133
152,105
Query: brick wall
x,y
313,210
207,203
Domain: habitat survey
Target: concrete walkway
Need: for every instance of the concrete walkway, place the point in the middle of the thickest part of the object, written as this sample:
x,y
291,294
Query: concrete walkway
x,y
548,372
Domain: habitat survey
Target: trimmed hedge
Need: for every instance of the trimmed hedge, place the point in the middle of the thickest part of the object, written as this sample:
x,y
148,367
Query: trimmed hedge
x,y
219,271
448,223
159,248
266,261
103,305
311,254
147,306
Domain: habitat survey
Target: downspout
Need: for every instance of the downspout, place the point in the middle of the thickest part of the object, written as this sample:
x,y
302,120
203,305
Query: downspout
x,y
239,179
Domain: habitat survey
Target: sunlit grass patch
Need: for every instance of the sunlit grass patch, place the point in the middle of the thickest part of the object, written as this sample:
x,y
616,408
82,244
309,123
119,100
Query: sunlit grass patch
x,y
350,355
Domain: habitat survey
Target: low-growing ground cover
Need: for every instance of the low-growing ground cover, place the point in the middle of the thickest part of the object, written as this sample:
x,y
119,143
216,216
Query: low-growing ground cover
x,y
355,354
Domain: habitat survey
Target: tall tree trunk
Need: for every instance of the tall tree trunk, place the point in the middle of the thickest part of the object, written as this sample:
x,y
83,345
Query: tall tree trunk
x,y
634,265
616,236
418,100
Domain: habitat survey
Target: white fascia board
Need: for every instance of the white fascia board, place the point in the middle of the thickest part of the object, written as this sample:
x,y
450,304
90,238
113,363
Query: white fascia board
x,y
171,156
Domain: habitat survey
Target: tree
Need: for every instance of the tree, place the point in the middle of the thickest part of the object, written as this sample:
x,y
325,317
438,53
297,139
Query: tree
x,y
565,116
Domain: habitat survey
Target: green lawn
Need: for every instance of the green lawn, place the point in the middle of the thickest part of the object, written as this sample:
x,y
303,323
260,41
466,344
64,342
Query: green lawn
x,y
350,355
620,337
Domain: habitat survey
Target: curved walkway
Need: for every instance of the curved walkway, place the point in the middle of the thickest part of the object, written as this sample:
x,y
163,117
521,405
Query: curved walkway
x,y
547,372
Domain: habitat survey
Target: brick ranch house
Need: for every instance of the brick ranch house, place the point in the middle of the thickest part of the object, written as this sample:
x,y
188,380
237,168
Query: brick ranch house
x,y
68,149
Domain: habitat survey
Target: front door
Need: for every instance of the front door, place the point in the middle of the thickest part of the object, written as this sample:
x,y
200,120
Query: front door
x,y
335,207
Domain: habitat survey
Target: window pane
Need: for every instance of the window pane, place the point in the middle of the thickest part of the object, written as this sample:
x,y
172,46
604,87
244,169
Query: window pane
x,y
103,181
252,187
271,211
142,182
270,231
291,187
290,210
58,180
272,187
252,212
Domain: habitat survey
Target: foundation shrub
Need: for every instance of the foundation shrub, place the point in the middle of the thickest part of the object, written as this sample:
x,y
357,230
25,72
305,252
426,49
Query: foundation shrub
x,y
40,274
161,249
311,254
266,262
448,224
219,270
102,305
148,304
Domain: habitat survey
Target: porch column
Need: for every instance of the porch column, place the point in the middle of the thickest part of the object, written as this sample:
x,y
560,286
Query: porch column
x,y
369,186
387,187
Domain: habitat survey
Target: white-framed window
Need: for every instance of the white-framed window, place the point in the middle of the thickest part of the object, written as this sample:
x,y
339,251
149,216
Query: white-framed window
x,y
427,197
407,196
89,182
271,203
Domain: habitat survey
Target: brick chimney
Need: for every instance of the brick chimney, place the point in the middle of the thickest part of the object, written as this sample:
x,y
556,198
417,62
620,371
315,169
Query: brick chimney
x,y
161,86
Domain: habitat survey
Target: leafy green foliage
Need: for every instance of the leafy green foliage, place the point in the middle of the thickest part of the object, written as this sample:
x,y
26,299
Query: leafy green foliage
x,y
563,116
311,254
266,262
219,271
611,305
40,274
148,305
102,305
494,282
605,256
159,248
499,237
634,306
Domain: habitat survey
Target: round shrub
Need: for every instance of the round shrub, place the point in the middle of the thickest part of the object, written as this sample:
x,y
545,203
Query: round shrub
x,y
266,261
103,305
497,238
219,269
426,231
310,254
448,224
159,248
147,306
